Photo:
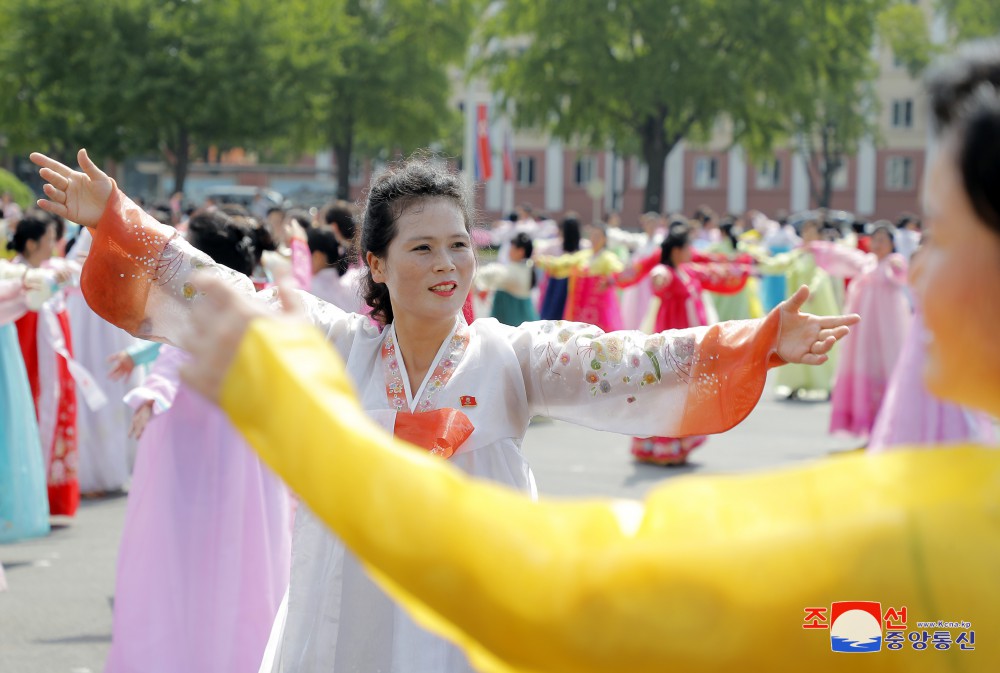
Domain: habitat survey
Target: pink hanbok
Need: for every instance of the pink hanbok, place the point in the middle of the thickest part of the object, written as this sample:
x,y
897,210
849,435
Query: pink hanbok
x,y
594,280
343,291
205,552
867,358
912,416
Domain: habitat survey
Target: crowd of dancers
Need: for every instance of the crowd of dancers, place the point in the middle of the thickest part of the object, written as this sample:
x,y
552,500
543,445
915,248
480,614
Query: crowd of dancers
x,y
218,569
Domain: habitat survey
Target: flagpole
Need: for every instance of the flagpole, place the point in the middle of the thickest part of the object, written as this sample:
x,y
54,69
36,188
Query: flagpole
x,y
469,145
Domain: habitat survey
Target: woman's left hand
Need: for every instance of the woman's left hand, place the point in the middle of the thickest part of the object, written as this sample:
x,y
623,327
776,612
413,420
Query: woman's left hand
x,y
806,338
79,196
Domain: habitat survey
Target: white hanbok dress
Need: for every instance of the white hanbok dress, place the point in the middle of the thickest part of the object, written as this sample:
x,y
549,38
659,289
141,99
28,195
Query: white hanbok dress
x,y
671,384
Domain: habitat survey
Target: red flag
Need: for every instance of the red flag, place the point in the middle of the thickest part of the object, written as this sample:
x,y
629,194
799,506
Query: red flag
x,y
508,159
484,156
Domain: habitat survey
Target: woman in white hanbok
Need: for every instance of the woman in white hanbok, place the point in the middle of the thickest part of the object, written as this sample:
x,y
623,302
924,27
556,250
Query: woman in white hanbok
x,y
464,392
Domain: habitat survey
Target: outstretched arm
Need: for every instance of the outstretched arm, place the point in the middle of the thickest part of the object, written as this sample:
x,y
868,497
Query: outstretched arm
x,y
136,273
80,196
710,574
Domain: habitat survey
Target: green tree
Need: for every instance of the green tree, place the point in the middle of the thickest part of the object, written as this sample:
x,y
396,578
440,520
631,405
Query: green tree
x,y
58,72
374,78
646,74
198,74
904,26
125,76
971,19
831,104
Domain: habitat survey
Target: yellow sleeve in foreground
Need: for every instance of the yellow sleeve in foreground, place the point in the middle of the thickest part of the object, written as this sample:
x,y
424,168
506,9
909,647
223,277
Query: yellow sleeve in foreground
x,y
710,574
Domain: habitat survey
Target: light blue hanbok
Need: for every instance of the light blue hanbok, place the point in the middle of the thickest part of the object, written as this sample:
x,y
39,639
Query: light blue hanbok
x,y
24,503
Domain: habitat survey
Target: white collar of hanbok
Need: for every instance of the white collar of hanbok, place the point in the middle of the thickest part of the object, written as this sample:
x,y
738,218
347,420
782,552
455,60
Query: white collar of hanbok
x,y
397,383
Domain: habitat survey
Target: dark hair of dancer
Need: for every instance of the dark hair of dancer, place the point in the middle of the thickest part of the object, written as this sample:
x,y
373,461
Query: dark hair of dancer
x,y
224,239
391,193
31,227
965,98
341,215
323,240
678,236
523,242
726,226
571,233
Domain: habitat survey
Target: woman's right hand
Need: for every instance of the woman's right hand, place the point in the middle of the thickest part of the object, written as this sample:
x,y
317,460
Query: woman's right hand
x,y
140,418
79,197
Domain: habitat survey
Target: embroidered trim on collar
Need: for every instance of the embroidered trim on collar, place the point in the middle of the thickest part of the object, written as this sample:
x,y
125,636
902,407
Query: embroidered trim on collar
x,y
395,391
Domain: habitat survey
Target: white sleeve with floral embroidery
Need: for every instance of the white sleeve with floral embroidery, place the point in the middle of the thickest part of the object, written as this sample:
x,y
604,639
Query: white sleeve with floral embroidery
x,y
694,381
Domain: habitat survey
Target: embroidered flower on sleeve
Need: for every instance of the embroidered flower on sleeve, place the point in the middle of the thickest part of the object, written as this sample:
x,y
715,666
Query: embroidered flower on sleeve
x,y
614,348
592,377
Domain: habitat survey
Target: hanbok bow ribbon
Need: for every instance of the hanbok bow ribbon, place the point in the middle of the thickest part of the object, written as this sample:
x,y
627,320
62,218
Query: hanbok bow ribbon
x,y
439,431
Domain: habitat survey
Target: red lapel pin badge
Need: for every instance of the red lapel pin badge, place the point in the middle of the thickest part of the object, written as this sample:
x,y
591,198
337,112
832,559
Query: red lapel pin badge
x,y
467,400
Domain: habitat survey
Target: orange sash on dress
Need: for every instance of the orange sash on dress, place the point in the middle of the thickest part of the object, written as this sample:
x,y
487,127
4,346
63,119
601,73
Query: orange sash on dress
x,y
439,431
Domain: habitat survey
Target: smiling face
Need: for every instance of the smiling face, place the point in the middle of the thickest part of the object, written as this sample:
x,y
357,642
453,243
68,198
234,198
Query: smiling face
x,y
429,264
956,279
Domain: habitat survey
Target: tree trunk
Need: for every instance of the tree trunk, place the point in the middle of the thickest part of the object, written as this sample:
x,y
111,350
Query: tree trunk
x,y
181,149
655,149
827,196
343,147
830,167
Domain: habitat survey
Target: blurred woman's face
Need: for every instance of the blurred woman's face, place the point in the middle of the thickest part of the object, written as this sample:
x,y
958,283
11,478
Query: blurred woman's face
x,y
810,232
597,237
681,255
36,252
956,280
881,244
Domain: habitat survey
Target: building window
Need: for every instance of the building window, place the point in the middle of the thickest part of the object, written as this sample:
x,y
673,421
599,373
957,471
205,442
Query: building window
x,y
585,171
899,173
902,113
525,171
706,172
640,173
769,174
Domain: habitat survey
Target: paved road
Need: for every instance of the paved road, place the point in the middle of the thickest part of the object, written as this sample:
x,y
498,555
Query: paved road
x,y
55,616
